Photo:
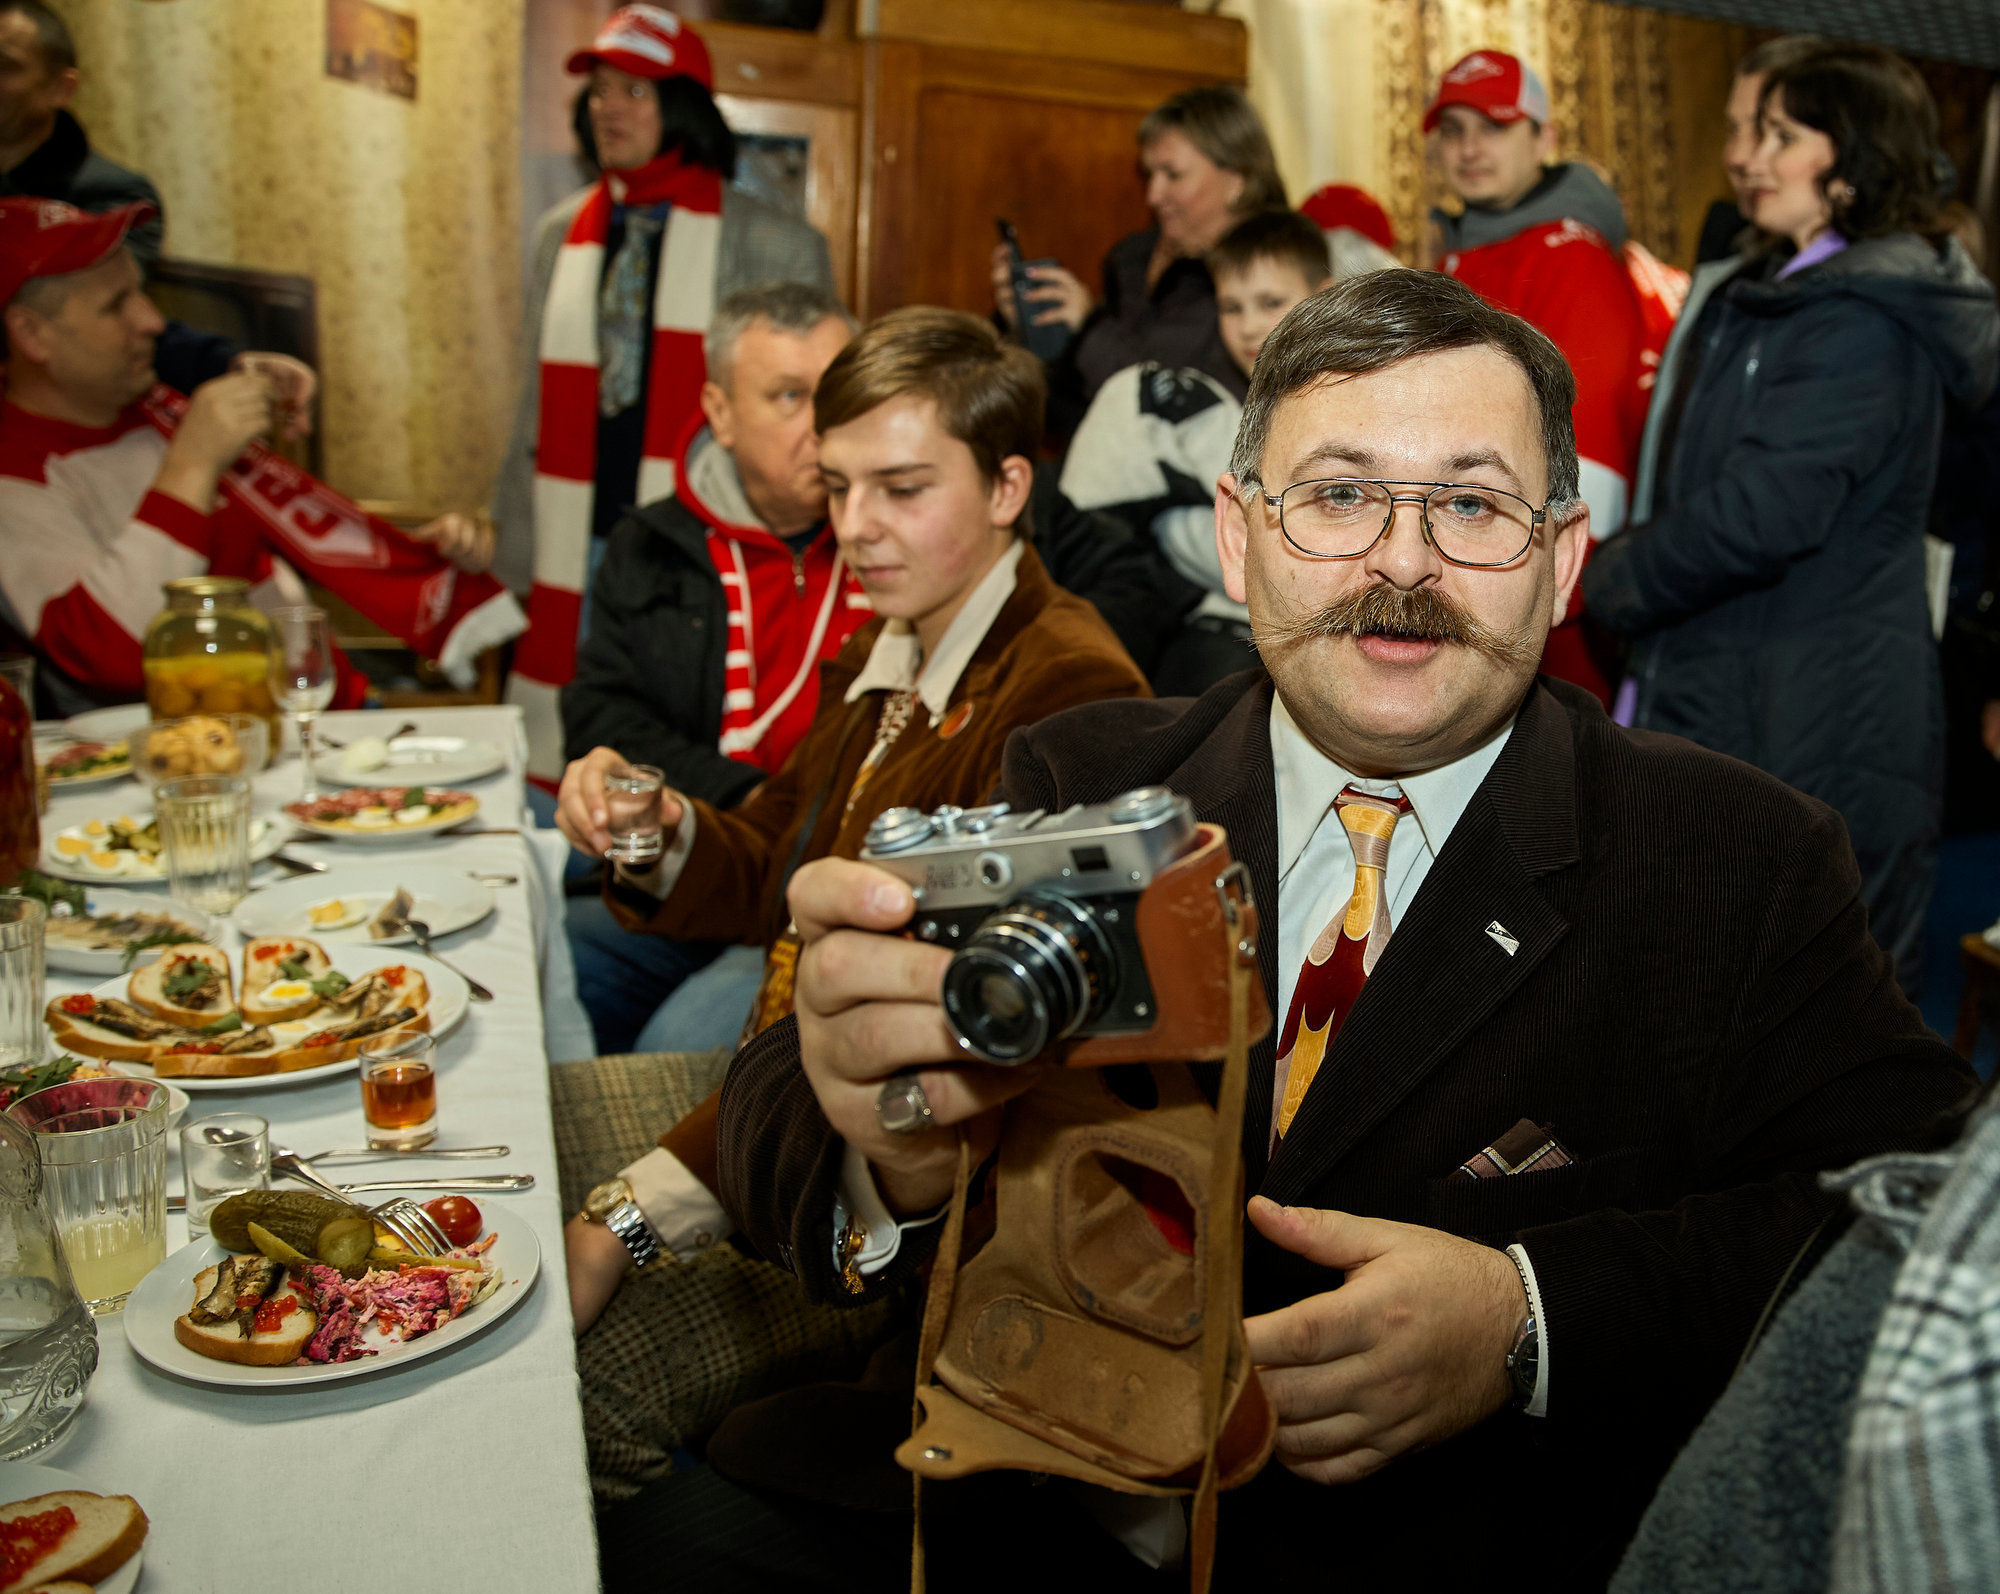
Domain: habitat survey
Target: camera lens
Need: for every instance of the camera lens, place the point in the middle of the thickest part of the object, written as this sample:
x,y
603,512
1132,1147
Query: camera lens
x,y
1028,976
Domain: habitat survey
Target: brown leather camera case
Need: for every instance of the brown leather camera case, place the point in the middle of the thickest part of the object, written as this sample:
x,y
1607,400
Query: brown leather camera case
x,y
1080,1339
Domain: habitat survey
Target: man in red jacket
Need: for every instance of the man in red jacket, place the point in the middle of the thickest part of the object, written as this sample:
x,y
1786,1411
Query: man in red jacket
x,y
1542,240
111,483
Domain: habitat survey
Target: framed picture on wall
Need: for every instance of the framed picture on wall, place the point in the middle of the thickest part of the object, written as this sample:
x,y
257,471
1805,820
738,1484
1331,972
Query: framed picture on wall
x,y
373,46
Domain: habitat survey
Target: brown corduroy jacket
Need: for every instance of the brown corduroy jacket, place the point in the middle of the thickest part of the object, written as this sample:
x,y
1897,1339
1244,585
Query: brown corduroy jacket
x,y
1047,650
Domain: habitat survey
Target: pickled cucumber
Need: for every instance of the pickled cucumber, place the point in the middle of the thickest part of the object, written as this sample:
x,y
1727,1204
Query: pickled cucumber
x,y
275,1248
344,1245
292,1215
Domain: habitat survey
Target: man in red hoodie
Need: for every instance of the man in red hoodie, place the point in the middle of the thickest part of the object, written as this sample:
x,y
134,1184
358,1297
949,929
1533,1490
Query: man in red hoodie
x,y
709,616
1543,241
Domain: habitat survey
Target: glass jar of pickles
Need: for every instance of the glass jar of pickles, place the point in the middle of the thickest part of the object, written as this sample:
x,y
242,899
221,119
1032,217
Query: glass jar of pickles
x,y
209,652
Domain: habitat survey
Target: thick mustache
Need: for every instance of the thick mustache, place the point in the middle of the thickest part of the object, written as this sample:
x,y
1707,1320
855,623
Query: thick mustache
x,y
1421,614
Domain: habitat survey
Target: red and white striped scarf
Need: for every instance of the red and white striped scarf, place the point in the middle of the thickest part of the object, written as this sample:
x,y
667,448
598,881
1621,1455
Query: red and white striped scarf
x,y
566,431
402,585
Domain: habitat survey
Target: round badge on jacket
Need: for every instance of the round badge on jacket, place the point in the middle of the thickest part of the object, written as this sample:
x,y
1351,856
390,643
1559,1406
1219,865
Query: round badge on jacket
x,y
954,722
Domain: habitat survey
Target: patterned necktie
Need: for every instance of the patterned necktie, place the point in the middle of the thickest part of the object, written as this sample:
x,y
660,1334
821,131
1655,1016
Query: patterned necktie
x,y
624,315
1339,962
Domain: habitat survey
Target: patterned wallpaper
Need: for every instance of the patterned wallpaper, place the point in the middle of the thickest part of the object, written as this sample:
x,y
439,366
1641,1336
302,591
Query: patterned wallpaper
x,y
405,213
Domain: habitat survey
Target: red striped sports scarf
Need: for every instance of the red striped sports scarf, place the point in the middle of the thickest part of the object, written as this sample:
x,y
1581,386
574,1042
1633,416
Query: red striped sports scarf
x,y
566,430
403,586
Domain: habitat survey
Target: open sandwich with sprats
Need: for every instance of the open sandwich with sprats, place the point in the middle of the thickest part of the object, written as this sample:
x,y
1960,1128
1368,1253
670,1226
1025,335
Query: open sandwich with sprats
x,y
313,1281
191,1015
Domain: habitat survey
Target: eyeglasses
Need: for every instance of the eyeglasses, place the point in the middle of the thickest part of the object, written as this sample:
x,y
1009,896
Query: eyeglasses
x,y
1344,516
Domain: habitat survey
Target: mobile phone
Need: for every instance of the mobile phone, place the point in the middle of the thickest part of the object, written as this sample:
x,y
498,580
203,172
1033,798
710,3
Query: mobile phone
x,y
1045,342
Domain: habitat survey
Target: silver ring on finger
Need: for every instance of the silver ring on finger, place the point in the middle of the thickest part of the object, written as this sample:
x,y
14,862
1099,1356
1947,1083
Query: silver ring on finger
x,y
902,1108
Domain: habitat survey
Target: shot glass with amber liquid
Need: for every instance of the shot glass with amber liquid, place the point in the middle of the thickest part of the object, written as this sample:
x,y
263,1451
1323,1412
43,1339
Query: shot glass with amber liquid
x,y
399,1092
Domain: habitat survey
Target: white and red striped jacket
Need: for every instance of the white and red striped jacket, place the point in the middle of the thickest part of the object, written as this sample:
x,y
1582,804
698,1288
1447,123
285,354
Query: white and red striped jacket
x,y
85,545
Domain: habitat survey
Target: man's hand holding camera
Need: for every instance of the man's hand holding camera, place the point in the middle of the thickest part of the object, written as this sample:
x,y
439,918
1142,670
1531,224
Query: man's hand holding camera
x,y
868,1009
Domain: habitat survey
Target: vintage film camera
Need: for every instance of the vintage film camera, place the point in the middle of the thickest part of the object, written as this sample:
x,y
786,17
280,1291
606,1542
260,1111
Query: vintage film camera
x,y
1041,910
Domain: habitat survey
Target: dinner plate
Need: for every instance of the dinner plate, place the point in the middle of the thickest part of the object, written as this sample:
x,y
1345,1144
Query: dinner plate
x,y
23,1480
109,900
420,760
444,899
45,750
108,724
388,835
168,1291
450,996
268,832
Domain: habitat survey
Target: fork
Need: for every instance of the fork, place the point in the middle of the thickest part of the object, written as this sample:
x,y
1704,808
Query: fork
x,y
400,1215
420,932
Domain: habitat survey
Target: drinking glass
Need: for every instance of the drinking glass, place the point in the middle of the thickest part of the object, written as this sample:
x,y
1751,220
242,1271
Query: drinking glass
x,y
632,815
302,673
223,1156
48,1341
205,834
103,1145
399,1092
21,923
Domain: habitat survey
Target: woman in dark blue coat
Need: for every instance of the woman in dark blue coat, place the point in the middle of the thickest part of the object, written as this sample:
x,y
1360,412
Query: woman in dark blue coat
x,y
1775,582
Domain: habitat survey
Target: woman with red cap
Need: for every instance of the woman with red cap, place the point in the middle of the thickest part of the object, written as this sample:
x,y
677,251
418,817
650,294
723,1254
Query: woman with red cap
x,y
626,277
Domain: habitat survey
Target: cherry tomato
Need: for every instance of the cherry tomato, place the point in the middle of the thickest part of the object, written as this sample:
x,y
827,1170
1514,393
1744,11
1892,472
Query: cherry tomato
x,y
458,1217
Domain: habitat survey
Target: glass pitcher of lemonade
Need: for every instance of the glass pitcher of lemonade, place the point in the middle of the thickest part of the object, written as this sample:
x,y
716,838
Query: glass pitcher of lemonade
x,y
48,1341
209,652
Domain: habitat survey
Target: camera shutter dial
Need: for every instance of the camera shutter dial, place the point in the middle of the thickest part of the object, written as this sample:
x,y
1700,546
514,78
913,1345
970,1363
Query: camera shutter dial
x,y
898,830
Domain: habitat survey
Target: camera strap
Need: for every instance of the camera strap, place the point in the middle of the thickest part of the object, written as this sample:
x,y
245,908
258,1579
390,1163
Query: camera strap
x,y
1017,1340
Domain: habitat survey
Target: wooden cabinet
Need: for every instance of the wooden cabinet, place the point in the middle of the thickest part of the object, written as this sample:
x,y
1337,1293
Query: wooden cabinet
x,y
925,121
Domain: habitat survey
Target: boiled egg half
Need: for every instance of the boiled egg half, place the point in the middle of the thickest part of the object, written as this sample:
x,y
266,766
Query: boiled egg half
x,y
335,915
285,993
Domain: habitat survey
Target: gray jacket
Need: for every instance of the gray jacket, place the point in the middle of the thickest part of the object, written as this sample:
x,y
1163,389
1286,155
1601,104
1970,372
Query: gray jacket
x,y
760,243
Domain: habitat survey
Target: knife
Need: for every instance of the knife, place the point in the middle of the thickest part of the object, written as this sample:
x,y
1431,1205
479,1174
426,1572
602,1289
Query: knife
x,y
487,1183
390,1153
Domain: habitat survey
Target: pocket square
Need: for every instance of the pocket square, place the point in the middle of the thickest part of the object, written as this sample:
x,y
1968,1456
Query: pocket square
x,y
1528,1147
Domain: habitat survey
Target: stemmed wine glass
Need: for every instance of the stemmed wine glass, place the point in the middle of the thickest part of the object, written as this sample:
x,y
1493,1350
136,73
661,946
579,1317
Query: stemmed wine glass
x,y
302,673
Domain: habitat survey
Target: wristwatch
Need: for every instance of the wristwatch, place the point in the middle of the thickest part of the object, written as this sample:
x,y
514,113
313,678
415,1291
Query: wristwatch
x,y
1524,1361
611,1204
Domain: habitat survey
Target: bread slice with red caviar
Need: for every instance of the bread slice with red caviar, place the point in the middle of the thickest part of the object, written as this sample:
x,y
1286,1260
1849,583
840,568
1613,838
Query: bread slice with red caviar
x,y
190,984
100,1534
390,1000
278,971
272,1331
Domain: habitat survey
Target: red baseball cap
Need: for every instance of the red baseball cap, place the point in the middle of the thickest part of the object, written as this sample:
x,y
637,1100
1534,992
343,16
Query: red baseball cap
x,y
47,238
647,41
1499,86
1344,205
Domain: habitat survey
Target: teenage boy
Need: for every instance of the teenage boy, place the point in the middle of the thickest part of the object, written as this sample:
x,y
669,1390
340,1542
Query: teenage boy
x,y
1156,439
929,423
1541,239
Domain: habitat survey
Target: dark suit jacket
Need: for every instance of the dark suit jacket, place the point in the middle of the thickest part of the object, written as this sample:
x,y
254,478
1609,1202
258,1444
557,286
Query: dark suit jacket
x,y
1695,1006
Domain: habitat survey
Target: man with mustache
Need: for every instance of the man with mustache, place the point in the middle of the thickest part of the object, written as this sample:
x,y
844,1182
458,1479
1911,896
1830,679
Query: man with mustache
x,y
1571,1019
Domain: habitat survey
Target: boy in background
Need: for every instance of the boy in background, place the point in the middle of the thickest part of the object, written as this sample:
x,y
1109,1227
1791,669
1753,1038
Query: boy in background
x,y
1156,438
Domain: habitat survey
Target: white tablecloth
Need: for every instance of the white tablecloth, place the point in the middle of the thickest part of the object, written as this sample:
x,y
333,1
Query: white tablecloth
x,y
465,1472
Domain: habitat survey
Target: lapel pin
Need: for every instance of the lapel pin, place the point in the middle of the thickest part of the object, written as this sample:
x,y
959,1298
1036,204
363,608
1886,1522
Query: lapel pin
x,y
1507,943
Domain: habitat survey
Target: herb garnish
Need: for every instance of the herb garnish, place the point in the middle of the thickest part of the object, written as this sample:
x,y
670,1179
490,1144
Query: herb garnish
x,y
190,977
166,935
49,891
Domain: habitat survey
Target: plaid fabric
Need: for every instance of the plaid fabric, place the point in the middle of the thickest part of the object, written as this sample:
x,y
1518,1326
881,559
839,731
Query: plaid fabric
x,y
679,1347
1917,1507
1528,1147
